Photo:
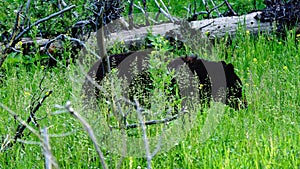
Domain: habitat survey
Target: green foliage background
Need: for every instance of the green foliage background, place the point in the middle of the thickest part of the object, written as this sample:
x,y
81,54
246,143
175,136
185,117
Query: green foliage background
x,y
265,135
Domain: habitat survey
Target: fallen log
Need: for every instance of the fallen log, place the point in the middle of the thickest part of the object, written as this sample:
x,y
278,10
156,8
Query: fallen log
x,y
214,28
210,28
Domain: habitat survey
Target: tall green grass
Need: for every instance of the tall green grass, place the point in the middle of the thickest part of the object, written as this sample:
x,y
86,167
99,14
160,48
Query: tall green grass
x,y
265,135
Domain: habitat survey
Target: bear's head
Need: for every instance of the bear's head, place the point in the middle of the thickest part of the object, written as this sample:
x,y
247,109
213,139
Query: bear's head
x,y
217,79
234,97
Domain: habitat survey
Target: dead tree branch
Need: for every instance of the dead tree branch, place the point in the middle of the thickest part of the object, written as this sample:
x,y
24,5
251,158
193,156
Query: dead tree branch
x,y
21,127
17,37
12,113
43,137
152,122
145,138
143,10
165,11
216,7
146,14
89,130
130,14
231,11
256,22
216,28
49,159
40,21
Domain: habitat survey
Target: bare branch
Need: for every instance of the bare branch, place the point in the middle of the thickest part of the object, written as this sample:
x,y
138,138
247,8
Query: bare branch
x,y
49,159
64,134
216,8
206,6
230,8
143,126
5,143
123,140
27,7
158,146
146,14
29,142
22,127
41,21
27,15
172,19
130,14
167,11
152,122
89,130
12,113
16,38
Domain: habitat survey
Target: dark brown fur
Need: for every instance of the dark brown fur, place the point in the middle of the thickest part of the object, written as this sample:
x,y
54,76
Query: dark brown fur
x,y
212,77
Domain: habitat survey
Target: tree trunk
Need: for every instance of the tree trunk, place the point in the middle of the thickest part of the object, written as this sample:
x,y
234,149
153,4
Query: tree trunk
x,y
214,28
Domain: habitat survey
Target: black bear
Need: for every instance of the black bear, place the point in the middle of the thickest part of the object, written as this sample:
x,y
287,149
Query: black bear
x,y
212,76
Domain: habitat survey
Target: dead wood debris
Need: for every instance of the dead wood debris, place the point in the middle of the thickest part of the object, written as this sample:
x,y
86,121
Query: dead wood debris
x,y
285,14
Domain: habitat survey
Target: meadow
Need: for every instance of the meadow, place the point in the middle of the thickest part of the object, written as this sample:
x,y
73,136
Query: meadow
x,y
264,135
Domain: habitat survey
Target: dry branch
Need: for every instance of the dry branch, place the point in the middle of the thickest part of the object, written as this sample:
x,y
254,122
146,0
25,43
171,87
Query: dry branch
x,y
22,122
49,159
145,138
18,36
23,125
89,130
31,118
153,122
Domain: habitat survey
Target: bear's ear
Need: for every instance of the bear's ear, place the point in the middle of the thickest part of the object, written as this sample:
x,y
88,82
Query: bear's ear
x,y
229,67
223,63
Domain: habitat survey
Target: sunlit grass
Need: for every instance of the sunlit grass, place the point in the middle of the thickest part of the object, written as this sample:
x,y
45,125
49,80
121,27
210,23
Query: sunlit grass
x,y
265,135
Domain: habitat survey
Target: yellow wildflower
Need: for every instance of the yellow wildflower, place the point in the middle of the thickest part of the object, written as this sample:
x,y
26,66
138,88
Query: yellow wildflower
x,y
254,60
201,86
285,67
154,52
19,44
48,93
